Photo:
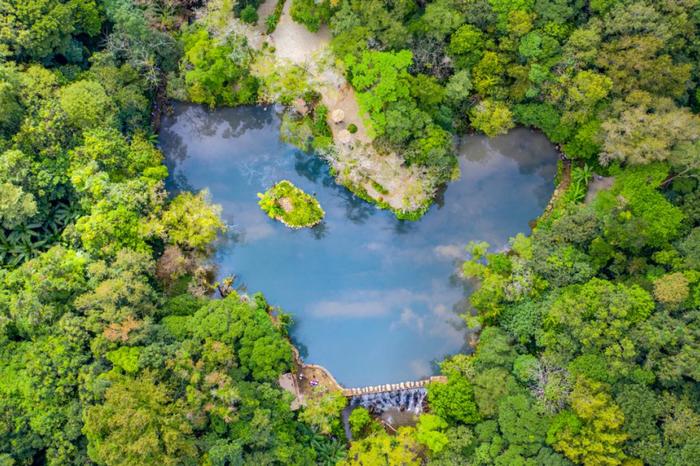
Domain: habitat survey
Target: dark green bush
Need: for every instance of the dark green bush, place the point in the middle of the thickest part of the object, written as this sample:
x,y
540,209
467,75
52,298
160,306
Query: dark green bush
x,y
311,14
249,14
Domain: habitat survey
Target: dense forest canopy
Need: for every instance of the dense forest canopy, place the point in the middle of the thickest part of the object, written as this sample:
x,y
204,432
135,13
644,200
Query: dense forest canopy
x,y
112,350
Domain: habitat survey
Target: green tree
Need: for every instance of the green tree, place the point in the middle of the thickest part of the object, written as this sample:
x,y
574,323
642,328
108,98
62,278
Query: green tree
x,y
87,105
380,78
217,74
441,18
491,117
190,221
488,75
120,297
491,386
139,422
638,62
459,87
135,41
382,449
249,330
454,400
522,424
635,214
322,411
430,432
39,292
111,227
466,46
11,111
310,13
16,206
360,420
584,94
592,432
115,155
595,317
40,29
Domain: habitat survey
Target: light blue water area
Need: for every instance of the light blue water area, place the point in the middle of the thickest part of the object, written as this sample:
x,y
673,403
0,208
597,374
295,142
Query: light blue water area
x,y
374,300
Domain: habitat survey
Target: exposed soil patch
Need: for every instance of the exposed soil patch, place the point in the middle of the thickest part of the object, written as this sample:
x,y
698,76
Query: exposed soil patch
x,y
294,42
286,204
597,184
314,379
306,380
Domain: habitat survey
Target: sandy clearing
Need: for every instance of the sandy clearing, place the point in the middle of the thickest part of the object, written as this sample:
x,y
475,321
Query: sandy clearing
x,y
294,42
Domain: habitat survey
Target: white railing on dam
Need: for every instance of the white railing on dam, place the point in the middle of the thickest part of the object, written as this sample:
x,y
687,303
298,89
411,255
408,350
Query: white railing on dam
x,y
350,392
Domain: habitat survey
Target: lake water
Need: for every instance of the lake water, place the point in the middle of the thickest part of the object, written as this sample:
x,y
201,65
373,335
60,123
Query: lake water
x,y
374,300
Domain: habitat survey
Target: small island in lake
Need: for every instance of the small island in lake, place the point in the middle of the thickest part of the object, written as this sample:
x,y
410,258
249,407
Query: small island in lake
x,y
291,205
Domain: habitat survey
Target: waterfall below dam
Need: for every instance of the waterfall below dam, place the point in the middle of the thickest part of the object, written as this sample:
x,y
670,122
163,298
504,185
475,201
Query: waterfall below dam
x,y
410,400
393,408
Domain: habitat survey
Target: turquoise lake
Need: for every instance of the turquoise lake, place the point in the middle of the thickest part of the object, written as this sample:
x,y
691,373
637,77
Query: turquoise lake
x,y
374,299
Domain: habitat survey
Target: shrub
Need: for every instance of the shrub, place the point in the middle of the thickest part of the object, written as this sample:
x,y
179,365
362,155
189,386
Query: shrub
x,y
352,128
320,125
297,131
249,14
380,189
274,18
310,13
360,421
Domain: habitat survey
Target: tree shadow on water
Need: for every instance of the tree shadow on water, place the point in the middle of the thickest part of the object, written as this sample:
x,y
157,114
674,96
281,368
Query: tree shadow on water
x,y
172,145
315,169
404,227
319,231
311,167
301,347
177,182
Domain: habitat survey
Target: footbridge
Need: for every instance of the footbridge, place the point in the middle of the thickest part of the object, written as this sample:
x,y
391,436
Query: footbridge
x,y
392,387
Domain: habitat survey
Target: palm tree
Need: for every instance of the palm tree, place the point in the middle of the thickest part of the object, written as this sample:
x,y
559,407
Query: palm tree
x,y
24,233
5,248
24,251
64,213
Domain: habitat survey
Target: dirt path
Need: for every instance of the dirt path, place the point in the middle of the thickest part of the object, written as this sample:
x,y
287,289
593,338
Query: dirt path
x,y
265,10
294,42
382,176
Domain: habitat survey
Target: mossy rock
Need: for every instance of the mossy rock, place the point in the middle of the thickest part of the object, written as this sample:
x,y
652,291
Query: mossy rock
x,y
290,205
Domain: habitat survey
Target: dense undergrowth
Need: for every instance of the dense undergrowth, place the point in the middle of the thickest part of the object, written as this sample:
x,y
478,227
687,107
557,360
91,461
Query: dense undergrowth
x,y
111,351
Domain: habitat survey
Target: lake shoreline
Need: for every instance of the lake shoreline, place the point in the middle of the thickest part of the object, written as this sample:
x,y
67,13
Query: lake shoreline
x,y
377,300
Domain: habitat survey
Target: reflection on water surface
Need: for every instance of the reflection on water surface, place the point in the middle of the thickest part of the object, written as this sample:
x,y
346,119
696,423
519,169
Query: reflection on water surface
x,y
375,300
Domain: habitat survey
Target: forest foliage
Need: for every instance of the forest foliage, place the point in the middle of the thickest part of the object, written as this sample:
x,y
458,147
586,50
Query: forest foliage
x,y
113,352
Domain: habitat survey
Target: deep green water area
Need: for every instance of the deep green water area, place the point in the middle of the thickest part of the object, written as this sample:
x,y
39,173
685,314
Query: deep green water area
x,y
374,299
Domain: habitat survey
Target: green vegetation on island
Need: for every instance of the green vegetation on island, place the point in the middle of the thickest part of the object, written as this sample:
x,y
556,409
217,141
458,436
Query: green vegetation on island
x,y
290,205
